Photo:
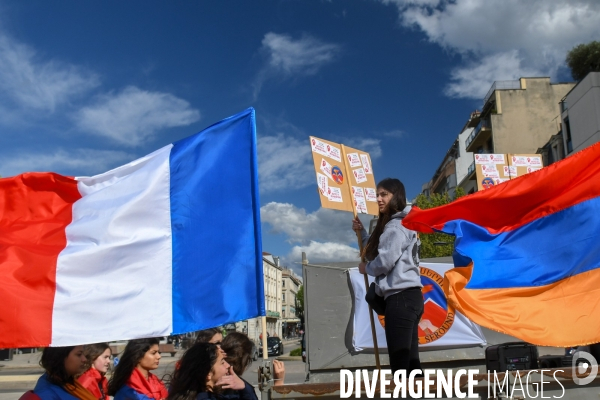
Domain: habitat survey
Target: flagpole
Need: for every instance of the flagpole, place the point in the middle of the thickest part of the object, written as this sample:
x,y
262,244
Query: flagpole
x,y
360,247
264,338
373,332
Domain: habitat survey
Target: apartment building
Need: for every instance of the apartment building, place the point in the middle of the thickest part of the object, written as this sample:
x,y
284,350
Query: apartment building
x,y
518,117
580,116
455,166
289,289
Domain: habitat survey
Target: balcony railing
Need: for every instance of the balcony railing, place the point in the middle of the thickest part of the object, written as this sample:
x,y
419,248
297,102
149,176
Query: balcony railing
x,y
501,85
483,124
471,169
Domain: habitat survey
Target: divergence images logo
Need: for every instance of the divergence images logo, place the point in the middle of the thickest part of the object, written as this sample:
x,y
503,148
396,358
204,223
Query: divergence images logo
x,y
438,315
581,361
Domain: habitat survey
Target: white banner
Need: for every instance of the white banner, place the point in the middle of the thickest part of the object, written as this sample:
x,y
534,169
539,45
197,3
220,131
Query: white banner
x,y
440,327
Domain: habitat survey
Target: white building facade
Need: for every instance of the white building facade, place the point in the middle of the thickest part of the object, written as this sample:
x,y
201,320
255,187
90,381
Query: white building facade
x,y
273,302
290,285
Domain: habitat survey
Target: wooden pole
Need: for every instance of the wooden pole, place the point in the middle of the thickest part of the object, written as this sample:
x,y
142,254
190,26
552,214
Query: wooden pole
x,y
360,247
264,338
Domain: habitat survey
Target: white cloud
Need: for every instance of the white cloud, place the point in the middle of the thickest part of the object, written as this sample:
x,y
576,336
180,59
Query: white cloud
x,y
289,58
78,162
301,227
303,56
371,146
134,115
527,36
323,252
284,163
475,80
30,83
395,133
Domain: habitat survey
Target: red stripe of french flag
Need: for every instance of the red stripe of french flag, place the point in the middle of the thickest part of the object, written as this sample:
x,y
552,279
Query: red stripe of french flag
x,y
39,206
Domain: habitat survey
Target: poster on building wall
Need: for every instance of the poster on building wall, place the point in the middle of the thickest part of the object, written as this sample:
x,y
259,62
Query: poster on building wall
x,y
494,169
525,163
345,178
491,170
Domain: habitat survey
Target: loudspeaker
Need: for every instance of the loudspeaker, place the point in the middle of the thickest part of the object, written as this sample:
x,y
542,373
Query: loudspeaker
x,y
511,356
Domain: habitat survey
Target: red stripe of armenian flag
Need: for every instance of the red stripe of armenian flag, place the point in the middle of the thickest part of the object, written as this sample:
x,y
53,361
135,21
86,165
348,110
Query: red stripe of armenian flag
x,y
527,253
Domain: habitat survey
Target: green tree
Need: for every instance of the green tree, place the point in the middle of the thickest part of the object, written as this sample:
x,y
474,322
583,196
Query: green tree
x,y
436,244
584,58
300,304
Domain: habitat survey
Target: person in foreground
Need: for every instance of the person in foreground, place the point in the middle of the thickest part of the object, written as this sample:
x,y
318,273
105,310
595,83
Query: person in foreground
x,y
58,382
132,379
203,374
238,349
98,363
393,259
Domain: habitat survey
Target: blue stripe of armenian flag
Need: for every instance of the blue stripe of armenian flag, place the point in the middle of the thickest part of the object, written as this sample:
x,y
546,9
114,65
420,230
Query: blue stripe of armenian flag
x,y
527,253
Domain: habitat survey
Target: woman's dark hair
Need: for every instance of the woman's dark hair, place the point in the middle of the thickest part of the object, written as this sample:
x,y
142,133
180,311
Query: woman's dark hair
x,y
207,334
133,353
396,204
238,348
93,351
53,361
195,365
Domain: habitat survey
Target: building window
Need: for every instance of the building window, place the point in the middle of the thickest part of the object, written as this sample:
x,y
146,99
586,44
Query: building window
x,y
283,297
490,146
569,139
282,283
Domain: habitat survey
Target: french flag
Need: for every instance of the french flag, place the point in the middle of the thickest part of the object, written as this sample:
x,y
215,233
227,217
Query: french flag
x,y
167,244
527,253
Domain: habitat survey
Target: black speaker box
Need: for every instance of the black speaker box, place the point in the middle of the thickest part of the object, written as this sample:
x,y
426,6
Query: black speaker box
x,y
511,357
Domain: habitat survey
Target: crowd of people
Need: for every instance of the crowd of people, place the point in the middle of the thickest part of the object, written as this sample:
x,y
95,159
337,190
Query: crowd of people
x,y
209,369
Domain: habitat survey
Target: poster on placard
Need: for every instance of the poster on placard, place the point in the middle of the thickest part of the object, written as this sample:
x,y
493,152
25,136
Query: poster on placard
x,y
525,163
330,170
345,178
491,170
361,180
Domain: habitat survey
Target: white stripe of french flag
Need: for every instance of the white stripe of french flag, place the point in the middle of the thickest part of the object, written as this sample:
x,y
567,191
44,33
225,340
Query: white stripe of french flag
x,y
115,261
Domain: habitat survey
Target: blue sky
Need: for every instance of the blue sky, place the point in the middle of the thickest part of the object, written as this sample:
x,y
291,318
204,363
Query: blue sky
x,y
88,86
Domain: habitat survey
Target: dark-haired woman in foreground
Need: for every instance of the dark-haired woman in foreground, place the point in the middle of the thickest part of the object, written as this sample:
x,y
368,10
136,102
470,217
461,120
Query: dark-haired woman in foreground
x,y
132,379
203,374
58,382
392,251
98,363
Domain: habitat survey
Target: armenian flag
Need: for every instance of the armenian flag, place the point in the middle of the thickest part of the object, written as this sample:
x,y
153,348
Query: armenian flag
x,y
527,253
